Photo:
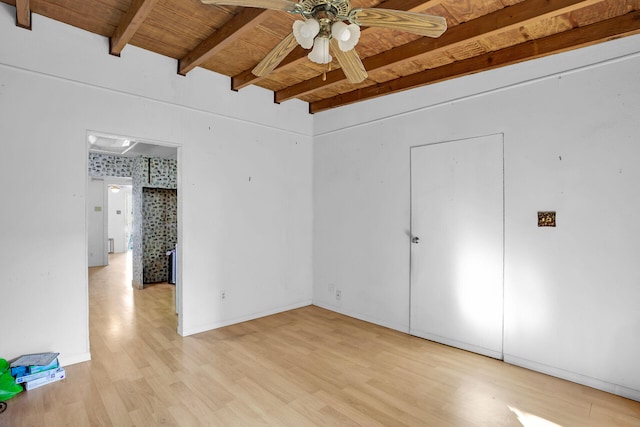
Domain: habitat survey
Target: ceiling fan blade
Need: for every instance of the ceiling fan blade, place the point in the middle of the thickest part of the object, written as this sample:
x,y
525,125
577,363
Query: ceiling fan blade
x,y
350,63
275,56
417,23
285,5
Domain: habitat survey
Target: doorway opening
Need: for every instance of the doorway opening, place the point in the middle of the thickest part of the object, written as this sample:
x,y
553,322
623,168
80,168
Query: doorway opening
x,y
123,222
119,215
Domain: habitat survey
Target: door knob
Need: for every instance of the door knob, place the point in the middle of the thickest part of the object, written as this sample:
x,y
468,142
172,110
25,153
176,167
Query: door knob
x,y
415,240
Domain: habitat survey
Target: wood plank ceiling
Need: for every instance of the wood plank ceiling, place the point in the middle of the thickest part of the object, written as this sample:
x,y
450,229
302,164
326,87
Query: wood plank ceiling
x,y
481,35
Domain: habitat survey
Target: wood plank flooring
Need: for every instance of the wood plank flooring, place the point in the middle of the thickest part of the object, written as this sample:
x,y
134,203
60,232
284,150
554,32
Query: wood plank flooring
x,y
303,367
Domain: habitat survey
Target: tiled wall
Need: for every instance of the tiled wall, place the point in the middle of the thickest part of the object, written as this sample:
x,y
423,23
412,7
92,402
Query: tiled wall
x,y
148,265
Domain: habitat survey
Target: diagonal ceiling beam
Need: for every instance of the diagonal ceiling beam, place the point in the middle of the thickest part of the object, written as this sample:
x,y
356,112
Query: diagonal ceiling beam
x,y
233,30
499,21
299,54
132,20
23,14
621,26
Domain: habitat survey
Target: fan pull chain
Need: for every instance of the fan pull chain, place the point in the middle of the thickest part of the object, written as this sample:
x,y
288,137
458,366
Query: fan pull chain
x,y
324,74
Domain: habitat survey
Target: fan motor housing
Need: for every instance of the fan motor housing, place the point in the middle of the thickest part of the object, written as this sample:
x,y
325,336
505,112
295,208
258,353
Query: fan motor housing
x,y
333,7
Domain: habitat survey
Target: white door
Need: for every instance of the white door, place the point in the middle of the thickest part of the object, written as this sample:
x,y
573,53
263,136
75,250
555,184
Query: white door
x,y
457,249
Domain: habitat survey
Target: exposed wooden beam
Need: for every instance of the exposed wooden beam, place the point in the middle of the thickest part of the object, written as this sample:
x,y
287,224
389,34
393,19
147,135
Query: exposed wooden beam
x,y
132,20
499,21
247,78
621,26
23,14
299,54
234,29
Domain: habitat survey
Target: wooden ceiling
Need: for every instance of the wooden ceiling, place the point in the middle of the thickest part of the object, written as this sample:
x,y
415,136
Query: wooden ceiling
x,y
481,35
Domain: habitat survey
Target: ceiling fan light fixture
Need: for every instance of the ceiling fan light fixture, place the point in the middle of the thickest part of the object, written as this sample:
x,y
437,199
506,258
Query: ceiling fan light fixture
x,y
346,35
320,53
325,20
305,32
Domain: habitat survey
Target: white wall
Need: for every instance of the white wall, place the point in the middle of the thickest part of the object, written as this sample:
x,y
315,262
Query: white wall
x,y
117,222
249,237
571,145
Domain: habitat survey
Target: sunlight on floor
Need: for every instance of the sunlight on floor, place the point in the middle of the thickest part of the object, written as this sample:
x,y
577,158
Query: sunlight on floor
x,y
121,273
129,266
530,420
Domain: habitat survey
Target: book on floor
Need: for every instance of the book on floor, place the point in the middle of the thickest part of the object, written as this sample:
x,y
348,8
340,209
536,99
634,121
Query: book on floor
x,y
30,377
21,366
35,359
56,375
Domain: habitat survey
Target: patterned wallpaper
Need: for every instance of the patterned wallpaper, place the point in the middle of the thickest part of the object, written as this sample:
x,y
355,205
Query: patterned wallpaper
x,y
108,165
164,172
150,242
159,233
147,266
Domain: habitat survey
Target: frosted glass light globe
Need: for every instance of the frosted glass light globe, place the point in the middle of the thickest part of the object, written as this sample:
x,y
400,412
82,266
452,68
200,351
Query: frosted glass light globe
x,y
320,53
347,35
305,32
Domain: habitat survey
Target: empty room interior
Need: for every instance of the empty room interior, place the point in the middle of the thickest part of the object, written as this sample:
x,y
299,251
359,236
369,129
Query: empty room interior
x,y
331,212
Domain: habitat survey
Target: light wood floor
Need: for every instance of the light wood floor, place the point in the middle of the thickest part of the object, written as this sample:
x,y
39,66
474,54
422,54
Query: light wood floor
x,y
304,367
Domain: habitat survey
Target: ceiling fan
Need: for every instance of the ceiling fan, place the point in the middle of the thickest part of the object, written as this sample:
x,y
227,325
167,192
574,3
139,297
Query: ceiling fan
x,y
331,25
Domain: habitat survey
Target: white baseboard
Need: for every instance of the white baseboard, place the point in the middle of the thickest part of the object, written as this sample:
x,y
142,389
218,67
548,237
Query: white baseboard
x,y
390,325
458,344
215,325
66,360
612,388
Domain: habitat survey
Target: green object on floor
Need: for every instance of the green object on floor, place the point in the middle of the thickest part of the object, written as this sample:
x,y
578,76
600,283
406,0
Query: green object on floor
x,y
8,386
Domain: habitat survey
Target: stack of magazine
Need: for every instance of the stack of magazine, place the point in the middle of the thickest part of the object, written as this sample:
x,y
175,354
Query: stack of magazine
x,y
36,370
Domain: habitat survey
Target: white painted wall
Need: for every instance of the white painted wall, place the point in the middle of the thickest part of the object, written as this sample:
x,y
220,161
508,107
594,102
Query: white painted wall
x,y
249,237
570,125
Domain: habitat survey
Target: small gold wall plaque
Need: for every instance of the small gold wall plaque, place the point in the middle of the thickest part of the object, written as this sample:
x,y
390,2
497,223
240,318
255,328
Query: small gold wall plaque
x,y
546,219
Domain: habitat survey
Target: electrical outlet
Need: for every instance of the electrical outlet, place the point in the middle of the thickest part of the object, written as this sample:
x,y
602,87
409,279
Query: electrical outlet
x,y
223,295
332,288
338,294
